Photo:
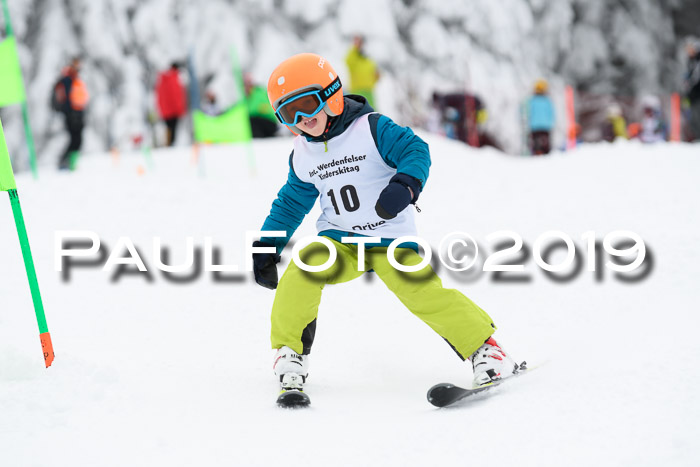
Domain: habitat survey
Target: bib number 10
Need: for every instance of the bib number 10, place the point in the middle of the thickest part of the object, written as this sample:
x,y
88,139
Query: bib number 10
x,y
349,198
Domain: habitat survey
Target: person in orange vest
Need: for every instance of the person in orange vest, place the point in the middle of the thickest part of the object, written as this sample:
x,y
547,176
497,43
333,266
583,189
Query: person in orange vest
x,y
172,99
70,97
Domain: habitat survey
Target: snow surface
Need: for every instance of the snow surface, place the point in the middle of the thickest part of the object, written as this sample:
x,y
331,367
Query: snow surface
x,y
157,373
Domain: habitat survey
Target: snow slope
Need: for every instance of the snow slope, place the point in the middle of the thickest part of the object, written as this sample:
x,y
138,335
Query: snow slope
x,y
158,373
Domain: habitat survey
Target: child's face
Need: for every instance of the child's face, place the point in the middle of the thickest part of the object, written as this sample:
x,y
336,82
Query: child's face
x,y
314,126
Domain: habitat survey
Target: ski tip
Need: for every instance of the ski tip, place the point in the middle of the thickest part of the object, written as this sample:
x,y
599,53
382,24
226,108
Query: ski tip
x,y
438,394
293,400
441,386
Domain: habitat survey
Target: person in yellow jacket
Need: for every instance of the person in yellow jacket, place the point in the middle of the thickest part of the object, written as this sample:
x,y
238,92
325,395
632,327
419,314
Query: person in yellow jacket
x,y
615,125
363,71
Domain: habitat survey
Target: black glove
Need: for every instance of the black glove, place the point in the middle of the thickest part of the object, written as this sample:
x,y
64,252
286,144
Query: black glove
x,y
265,267
396,196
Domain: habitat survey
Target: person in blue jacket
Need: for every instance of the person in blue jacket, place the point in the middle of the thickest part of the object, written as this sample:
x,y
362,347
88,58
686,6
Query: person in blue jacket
x,y
540,117
367,172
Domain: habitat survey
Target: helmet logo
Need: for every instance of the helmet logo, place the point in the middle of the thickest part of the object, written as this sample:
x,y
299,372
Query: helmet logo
x,y
331,89
321,62
280,81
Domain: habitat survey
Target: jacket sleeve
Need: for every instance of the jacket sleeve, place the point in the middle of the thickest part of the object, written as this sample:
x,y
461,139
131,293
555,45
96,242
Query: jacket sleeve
x,y
67,84
401,148
293,203
159,95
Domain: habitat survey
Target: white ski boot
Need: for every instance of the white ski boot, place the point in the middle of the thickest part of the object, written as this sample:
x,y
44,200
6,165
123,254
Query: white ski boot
x,y
292,370
490,363
288,361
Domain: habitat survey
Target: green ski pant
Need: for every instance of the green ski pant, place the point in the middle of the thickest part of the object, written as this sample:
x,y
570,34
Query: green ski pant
x,y
448,312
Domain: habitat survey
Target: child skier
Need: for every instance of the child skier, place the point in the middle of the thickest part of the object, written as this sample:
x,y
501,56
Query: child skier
x,y
367,171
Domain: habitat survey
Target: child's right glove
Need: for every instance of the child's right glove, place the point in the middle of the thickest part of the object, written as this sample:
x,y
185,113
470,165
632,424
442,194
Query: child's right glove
x,y
401,191
265,267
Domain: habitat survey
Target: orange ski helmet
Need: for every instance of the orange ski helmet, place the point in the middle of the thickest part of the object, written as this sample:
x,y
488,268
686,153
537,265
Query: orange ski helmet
x,y
305,72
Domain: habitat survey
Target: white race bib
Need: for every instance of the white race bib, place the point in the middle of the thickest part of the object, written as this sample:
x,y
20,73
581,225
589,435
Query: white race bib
x,y
350,176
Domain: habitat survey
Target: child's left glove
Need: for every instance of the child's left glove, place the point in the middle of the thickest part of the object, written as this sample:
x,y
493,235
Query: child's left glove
x,y
265,267
401,191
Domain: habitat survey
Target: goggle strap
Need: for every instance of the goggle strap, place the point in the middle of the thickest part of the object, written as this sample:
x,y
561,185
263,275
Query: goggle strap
x,y
329,90
324,95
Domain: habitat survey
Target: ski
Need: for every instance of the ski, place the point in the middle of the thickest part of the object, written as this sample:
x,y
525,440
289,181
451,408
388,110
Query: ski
x,y
447,394
293,398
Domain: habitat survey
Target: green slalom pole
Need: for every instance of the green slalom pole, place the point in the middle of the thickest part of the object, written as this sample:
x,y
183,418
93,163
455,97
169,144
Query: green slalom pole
x,y
7,183
25,107
29,138
146,151
240,88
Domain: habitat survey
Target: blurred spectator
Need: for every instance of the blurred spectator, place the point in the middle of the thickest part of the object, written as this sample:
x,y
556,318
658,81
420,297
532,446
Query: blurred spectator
x,y
634,129
652,127
453,124
540,118
263,122
172,100
363,71
70,97
209,105
434,120
461,116
615,125
691,87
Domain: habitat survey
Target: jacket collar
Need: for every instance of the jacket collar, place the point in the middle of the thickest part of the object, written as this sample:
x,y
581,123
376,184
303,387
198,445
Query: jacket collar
x,y
355,107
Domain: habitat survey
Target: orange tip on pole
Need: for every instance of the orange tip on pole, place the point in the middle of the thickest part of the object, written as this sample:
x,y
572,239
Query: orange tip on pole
x,y
115,155
47,347
195,154
571,117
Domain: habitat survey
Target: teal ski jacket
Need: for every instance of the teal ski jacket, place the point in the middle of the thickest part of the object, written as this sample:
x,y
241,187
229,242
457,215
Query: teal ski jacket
x,y
399,147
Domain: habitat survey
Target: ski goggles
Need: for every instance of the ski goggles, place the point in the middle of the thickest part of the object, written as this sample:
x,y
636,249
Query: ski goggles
x,y
305,105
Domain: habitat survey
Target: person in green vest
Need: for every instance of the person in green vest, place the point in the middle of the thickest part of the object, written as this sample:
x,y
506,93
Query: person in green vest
x,y
263,122
364,73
